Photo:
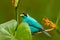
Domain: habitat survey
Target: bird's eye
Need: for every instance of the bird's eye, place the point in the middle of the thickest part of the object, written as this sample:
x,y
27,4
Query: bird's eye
x,y
25,14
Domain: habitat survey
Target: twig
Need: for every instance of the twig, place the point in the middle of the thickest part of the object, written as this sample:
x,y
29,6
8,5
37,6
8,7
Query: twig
x,y
47,30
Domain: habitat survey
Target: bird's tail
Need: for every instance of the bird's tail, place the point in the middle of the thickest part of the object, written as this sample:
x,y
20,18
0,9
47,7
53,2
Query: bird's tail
x,y
47,33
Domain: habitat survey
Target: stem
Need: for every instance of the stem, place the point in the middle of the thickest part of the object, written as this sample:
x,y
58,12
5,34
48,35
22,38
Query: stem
x,y
58,18
17,18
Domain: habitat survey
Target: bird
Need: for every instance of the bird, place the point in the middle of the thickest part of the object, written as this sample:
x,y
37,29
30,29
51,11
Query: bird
x,y
34,25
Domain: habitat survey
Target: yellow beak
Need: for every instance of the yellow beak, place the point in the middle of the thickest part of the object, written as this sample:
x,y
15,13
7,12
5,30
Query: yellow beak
x,y
21,14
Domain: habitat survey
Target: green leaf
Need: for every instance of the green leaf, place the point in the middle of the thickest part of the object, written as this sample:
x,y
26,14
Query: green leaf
x,y
9,26
16,3
7,29
23,32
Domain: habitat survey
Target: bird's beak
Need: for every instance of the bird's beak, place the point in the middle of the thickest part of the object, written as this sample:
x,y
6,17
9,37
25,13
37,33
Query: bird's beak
x,y
21,14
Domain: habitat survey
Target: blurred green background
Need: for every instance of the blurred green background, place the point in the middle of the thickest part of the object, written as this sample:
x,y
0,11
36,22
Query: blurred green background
x,y
6,11
38,9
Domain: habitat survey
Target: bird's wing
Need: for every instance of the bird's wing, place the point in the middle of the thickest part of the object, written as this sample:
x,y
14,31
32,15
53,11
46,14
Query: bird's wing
x,y
34,23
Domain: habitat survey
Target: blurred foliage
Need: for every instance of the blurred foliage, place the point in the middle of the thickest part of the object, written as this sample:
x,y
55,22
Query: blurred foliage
x,y
38,9
23,32
7,29
6,11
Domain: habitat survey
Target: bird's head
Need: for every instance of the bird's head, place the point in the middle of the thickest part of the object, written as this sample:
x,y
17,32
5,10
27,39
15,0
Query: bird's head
x,y
23,14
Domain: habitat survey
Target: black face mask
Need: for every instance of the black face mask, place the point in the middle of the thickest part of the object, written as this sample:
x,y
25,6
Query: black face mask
x,y
25,14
